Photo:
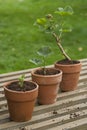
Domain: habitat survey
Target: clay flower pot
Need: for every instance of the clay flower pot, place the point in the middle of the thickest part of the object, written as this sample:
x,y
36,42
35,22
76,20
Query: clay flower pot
x,y
48,85
71,74
21,104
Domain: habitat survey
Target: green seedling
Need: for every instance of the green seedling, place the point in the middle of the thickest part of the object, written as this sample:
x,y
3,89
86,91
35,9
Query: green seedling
x,y
43,52
56,24
21,81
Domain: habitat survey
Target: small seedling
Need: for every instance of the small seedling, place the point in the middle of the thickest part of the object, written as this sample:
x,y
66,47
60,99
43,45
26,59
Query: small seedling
x,y
43,52
56,25
21,81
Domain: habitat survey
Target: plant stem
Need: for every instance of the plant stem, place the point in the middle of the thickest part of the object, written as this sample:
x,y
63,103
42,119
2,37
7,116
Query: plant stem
x,y
60,46
21,81
44,70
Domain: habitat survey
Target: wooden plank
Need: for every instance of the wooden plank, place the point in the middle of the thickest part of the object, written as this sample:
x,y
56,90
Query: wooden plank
x,y
70,125
44,112
81,79
80,127
84,63
3,103
28,77
57,120
83,60
15,75
77,94
68,113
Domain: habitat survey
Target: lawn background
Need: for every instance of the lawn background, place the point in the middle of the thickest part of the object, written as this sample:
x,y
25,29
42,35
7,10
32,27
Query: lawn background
x,y
19,38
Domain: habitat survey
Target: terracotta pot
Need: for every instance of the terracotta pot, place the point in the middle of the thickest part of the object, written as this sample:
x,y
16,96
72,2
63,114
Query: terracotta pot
x,y
48,86
21,104
70,75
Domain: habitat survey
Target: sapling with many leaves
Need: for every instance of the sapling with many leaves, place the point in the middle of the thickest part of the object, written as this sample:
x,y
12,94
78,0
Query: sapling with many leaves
x,y
56,25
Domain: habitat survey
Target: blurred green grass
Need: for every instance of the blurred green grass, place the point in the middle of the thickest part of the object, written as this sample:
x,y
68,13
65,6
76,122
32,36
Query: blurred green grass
x,y
19,38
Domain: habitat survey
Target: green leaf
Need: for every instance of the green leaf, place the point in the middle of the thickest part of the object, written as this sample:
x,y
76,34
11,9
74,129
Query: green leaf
x,y
64,11
36,61
41,21
61,9
69,10
65,30
21,80
44,51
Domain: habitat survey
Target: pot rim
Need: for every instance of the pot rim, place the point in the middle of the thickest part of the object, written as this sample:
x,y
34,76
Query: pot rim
x,y
74,64
22,92
54,75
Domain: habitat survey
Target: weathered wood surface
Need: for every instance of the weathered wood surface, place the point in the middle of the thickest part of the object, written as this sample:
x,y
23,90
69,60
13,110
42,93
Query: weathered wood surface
x,y
68,113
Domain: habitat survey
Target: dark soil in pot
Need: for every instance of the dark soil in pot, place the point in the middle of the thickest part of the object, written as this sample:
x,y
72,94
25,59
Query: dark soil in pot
x,y
67,62
27,86
47,71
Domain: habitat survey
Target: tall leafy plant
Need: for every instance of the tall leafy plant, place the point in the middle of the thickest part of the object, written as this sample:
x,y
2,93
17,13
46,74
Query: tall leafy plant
x,y
56,25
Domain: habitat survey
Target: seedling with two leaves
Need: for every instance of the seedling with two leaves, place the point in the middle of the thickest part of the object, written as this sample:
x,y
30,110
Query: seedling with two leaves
x,y
21,81
43,52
